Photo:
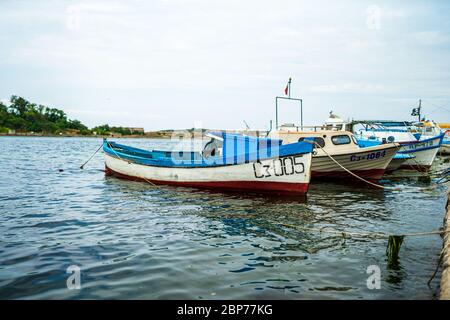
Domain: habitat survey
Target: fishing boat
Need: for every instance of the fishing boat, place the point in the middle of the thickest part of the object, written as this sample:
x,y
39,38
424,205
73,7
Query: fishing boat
x,y
226,162
397,161
337,151
420,140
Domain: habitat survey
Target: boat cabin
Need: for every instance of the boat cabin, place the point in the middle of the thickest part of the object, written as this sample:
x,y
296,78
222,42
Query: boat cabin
x,y
332,141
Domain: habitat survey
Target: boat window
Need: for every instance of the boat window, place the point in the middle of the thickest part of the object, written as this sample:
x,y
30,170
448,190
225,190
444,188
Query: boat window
x,y
343,139
317,140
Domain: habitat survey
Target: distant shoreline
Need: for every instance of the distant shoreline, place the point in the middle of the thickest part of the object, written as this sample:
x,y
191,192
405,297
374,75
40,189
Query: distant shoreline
x,y
39,135
163,134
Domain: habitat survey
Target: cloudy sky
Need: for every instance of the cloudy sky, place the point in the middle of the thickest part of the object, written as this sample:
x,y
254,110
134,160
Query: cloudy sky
x,y
184,63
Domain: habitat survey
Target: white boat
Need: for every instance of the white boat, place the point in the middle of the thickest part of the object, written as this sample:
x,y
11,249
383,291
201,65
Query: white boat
x,y
445,146
368,163
416,139
227,162
424,152
398,161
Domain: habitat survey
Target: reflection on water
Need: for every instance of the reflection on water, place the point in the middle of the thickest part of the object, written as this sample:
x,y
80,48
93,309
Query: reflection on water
x,y
133,240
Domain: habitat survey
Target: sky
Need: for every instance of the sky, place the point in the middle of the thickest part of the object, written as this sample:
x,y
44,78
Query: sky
x,y
163,64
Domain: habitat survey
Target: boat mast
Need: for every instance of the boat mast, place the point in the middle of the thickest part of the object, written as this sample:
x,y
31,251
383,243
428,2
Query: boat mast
x,y
416,111
288,98
420,106
289,87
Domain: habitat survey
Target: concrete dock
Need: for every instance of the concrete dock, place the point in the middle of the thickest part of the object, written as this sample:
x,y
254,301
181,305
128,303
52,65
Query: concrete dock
x,y
445,279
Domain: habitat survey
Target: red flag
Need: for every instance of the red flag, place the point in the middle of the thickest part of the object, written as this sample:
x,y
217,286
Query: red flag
x,y
286,89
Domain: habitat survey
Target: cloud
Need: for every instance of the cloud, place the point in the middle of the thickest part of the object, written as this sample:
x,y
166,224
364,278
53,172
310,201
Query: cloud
x,y
204,60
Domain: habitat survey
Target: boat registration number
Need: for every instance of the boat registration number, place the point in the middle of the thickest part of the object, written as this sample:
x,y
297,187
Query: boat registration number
x,y
369,156
279,167
419,145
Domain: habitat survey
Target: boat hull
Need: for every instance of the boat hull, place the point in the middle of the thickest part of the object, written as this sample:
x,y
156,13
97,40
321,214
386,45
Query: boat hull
x,y
369,163
396,163
424,153
444,149
290,174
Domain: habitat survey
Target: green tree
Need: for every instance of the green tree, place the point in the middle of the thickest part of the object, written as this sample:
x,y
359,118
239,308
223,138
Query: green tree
x,y
18,105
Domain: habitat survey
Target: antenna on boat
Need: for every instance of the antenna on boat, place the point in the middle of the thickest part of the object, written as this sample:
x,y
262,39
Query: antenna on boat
x,y
246,125
289,87
420,107
287,92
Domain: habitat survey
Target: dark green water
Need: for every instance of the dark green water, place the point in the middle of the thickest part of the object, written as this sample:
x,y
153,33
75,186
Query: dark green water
x,y
134,241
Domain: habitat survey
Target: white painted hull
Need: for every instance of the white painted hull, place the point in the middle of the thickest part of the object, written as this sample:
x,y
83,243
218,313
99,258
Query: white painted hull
x,y
444,149
422,158
395,164
369,163
424,153
285,174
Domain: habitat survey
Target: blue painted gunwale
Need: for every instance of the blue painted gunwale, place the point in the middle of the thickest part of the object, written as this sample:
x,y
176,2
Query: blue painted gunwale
x,y
441,137
363,143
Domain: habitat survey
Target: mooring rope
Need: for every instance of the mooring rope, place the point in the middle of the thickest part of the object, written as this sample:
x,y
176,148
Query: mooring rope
x,y
82,166
378,235
441,256
394,241
418,167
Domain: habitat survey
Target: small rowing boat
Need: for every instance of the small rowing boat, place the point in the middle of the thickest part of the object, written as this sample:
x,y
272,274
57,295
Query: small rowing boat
x,y
227,162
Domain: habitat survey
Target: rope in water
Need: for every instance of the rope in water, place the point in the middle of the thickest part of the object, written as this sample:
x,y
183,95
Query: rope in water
x,y
378,235
394,241
351,173
82,166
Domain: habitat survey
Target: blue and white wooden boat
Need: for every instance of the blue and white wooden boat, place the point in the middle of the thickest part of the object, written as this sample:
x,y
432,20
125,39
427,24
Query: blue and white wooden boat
x,y
420,144
227,162
397,161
